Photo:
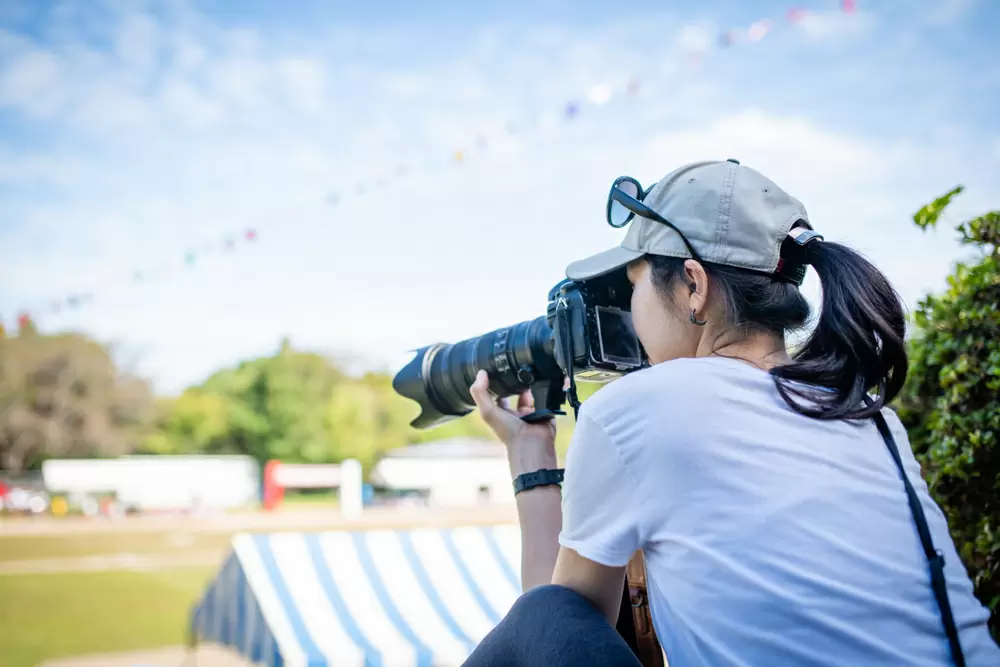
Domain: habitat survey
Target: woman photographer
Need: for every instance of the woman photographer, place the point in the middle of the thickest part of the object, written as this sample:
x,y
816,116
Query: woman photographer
x,y
759,483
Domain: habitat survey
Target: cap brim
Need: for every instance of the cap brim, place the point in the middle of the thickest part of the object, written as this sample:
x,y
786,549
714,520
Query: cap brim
x,y
601,263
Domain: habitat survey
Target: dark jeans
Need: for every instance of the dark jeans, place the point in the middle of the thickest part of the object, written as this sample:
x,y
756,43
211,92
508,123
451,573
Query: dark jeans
x,y
552,626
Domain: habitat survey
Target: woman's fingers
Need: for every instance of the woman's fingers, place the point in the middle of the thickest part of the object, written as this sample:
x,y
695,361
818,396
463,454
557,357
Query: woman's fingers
x,y
525,402
480,391
495,412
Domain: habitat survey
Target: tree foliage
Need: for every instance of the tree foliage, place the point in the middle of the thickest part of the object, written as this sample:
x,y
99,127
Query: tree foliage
x,y
63,395
951,402
295,406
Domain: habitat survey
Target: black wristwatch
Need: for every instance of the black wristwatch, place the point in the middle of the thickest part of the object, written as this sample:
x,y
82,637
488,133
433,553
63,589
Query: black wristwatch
x,y
543,477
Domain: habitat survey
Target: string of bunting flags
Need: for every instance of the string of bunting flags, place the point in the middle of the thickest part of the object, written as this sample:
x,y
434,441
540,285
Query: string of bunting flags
x,y
597,95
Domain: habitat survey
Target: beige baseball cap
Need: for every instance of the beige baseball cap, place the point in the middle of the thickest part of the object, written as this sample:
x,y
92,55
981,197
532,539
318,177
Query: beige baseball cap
x,y
731,214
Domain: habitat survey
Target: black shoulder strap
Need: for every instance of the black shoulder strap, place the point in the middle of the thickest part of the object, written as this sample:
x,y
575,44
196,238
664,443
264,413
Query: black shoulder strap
x,y
935,559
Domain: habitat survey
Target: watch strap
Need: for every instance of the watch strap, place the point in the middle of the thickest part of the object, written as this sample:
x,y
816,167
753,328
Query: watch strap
x,y
543,477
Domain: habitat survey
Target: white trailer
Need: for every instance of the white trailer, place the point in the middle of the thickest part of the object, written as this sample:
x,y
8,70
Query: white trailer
x,y
454,472
159,482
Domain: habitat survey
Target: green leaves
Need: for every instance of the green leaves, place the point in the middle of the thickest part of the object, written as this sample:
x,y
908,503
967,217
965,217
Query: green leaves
x,y
929,214
62,395
951,401
984,230
298,407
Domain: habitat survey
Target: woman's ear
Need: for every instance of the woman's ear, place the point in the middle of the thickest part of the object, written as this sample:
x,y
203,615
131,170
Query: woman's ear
x,y
697,282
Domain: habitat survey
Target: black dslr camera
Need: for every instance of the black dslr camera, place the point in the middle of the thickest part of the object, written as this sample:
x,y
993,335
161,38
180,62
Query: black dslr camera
x,y
586,334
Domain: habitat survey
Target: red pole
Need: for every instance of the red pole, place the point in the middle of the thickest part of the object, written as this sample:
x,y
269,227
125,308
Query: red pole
x,y
274,493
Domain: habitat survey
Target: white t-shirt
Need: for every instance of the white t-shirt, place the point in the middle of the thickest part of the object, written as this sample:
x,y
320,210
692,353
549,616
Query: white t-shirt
x,y
770,538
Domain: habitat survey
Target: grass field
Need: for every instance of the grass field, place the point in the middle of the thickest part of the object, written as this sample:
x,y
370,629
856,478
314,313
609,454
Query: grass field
x,y
51,615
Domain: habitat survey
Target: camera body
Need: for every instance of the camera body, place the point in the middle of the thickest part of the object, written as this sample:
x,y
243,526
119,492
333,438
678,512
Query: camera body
x,y
586,334
598,324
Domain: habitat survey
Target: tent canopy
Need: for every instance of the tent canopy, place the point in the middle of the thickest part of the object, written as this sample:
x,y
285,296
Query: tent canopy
x,y
372,598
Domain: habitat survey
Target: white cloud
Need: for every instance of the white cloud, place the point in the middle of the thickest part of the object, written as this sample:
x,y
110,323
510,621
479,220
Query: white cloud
x,y
137,43
237,82
774,143
190,105
944,12
696,37
31,82
305,80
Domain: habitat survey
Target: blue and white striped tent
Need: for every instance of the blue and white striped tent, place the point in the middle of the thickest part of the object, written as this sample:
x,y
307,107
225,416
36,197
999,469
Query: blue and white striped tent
x,y
372,599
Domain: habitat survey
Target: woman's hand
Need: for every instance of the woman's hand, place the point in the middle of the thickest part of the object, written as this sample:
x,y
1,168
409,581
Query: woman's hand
x,y
529,446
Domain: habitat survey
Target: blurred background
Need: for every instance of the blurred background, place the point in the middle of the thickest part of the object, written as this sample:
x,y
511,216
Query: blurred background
x,y
224,224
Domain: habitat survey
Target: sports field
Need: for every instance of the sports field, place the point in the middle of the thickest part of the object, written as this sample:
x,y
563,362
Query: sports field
x,y
60,614
74,587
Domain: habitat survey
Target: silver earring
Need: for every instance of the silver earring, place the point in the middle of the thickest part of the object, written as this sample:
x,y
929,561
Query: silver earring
x,y
696,321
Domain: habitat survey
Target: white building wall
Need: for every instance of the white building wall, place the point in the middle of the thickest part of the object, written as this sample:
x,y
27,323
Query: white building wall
x,y
449,481
160,482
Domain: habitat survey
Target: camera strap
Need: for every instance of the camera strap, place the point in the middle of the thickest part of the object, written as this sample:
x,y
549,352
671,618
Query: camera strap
x,y
935,558
566,349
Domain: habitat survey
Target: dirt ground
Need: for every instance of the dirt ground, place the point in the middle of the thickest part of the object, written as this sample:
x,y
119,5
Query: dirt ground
x,y
208,655
310,518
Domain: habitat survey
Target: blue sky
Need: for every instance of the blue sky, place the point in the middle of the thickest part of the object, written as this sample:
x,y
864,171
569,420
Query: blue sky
x,y
132,133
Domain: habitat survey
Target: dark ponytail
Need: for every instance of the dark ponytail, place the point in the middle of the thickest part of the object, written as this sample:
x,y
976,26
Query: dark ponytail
x,y
857,344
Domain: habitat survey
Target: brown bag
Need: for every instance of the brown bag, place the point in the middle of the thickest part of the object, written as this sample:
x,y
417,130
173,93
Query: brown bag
x,y
635,622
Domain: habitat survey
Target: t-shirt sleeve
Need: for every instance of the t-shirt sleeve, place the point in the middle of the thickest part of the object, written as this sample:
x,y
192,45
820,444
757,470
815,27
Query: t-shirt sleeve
x,y
600,508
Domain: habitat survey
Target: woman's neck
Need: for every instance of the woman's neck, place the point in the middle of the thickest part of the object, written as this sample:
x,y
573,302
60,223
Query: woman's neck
x,y
764,350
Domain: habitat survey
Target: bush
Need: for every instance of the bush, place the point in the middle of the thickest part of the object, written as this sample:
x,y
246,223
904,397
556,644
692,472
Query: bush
x,y
951,401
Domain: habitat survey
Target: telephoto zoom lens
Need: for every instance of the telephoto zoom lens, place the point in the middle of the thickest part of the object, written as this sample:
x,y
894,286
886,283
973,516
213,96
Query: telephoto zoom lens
x,y
439,376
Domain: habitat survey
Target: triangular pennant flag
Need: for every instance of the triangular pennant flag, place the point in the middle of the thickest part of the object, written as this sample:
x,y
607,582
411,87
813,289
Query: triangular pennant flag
x,y
758,30
796,14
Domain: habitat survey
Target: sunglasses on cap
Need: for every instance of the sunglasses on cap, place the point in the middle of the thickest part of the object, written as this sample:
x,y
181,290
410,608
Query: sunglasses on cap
x,y
625,202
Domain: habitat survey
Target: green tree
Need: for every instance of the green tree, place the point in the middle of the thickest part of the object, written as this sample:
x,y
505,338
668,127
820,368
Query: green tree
x,y
63,395
298,407
365,419
951,402
272,407
196,422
